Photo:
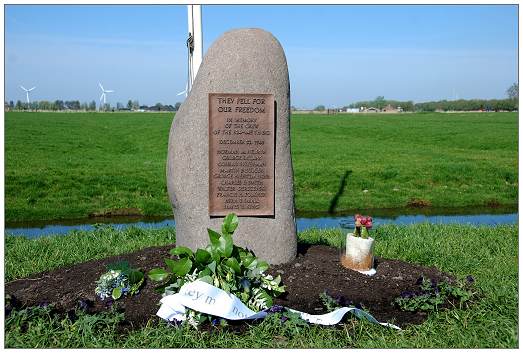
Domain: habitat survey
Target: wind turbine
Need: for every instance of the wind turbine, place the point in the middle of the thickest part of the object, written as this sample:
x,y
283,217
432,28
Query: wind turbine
x,y
104,91
27,92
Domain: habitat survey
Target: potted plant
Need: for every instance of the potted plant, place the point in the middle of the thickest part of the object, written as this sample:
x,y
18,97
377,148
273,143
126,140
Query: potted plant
x,y
358,254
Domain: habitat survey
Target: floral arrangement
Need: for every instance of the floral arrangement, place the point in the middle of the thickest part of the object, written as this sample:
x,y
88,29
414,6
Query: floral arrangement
x,y
362,225
120,279
224,265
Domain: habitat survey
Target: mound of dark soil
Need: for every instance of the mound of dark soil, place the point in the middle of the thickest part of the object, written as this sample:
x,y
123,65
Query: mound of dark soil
x,y
315,270
318,269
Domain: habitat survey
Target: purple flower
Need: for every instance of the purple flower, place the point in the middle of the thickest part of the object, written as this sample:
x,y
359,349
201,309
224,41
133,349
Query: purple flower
x,y
340,299
284,318
84,304
407,294
275,309
175,322
215,322
433,283
358,306
470,279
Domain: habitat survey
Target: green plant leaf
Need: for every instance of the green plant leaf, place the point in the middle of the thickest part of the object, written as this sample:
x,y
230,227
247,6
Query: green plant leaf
x,y
226,245
181,250
254,273
173,288
202,256
262,265
205,272
170,264
135,276
268,301
253,264
135,287
246,258
212,266
214,252
158,274
214,237
224,285
117,293
230,223
233,264
206,279
182,267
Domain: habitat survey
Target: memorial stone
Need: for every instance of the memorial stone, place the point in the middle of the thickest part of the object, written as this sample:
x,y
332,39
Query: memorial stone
x,y
229,148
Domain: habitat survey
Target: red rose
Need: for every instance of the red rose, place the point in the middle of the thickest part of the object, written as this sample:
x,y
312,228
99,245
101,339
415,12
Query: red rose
x,y
368,222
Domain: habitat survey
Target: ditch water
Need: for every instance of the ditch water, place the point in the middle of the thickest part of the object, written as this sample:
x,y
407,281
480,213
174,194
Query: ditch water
x,y
304,221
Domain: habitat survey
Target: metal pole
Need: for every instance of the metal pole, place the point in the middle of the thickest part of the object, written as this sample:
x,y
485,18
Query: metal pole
x,y
195,30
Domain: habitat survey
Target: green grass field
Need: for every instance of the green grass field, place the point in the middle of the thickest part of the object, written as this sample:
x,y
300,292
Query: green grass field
x,y
490,254
67,165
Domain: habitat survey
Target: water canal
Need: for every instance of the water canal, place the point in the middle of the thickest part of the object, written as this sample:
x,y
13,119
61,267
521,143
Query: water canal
x,y
304,221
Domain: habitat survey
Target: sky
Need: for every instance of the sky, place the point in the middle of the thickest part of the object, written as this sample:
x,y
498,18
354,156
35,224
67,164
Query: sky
x,y
337,54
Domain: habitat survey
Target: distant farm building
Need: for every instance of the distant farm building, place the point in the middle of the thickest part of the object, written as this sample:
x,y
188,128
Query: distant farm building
x,y
390,109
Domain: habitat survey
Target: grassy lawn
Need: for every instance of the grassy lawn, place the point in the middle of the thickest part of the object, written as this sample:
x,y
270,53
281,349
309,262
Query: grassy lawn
x,y
61,165
490,254
445,159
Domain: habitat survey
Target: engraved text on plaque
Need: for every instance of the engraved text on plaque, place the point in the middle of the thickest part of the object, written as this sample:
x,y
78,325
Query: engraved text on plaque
x,y
241,154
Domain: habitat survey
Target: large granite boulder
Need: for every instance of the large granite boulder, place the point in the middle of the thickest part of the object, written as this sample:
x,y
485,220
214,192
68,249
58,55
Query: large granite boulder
x,y
240,61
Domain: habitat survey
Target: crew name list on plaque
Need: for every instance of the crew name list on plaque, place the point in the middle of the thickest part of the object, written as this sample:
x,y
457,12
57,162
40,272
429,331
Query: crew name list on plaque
x,y
241,154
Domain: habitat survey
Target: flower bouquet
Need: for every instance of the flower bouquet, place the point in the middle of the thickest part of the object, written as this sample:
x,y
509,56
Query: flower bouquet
x,y
358,252
120,279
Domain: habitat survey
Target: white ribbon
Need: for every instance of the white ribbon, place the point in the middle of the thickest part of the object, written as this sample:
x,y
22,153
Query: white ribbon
x,y
203,297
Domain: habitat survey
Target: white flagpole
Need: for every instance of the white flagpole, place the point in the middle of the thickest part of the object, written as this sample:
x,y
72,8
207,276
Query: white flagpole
x,y
194,22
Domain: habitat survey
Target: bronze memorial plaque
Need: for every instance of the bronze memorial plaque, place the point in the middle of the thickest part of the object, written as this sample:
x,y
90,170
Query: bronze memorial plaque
x,y
241,154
